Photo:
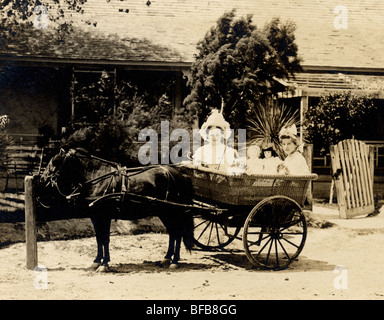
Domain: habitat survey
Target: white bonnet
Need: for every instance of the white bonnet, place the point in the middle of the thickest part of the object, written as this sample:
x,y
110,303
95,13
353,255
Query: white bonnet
x,y
216,119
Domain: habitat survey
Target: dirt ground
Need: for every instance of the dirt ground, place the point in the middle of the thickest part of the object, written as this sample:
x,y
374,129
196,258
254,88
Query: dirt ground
x,y
340,262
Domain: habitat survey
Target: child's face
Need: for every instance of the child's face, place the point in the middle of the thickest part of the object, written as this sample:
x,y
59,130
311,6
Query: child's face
x,y
288,146
215,133
253,152
268,154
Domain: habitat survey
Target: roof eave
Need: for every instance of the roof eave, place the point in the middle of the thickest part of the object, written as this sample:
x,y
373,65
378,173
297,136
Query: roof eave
x,y
155,65
62,62
327,69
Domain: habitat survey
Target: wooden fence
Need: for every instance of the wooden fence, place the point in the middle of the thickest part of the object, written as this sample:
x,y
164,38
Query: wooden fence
x,y
322,163
23,157
353,174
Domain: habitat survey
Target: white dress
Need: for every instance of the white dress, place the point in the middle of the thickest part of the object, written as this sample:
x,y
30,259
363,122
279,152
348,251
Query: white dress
x,y
296,164
254,166
215,156
270,165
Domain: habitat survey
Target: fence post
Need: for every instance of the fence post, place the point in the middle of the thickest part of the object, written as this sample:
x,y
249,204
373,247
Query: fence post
x,y
30,222
337,179
308,155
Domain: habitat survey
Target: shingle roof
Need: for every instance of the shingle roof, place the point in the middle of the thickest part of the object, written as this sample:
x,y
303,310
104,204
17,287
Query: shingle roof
x,y
168,30
90,45
338,81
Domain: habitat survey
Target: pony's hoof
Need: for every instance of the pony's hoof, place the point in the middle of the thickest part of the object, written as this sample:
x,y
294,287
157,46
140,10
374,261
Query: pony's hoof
x,y
95,266
174,266
103,268
165,262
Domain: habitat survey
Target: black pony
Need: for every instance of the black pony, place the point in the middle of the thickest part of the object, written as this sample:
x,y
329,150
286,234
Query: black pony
x,y
104,190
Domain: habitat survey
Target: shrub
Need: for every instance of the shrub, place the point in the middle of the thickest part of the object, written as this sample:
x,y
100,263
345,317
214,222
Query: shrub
x,y
339,116
115,136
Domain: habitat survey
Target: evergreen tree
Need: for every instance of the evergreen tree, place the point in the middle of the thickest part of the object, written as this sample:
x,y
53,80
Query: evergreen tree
x,y
239,65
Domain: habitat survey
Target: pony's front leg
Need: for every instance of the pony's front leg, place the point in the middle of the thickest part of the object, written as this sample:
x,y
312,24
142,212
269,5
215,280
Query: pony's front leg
x,y
102,226
99,257
105,238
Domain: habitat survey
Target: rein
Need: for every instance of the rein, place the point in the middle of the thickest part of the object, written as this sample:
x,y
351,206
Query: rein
x,y
124,172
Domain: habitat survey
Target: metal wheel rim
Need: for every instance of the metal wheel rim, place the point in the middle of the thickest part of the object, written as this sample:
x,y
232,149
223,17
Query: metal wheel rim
x,y
275,246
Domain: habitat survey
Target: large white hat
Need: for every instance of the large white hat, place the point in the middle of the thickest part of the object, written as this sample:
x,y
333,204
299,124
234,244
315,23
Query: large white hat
x,y
289,132
215,119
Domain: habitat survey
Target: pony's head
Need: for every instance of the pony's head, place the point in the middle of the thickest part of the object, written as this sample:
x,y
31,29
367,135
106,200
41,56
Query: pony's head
x,y
63,173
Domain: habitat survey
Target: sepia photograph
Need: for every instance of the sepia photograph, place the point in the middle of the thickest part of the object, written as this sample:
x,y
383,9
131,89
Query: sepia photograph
x,y
190,156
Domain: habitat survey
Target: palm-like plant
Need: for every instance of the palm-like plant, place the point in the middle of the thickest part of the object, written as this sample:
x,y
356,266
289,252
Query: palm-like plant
x,y
266,121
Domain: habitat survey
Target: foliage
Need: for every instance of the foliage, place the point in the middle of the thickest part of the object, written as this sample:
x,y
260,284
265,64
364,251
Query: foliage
x,y
114,135
238,64
266,122
94,100
17,16
339,116
105,139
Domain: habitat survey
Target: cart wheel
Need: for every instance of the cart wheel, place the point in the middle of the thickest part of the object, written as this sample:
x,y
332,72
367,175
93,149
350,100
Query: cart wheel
x,y
210,234
274,233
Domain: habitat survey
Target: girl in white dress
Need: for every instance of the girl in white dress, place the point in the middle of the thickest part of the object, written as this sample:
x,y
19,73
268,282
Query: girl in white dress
x,y
215,153
294,163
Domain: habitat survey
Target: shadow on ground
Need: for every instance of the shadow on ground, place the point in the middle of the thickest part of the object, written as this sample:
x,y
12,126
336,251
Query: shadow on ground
x,y
302,263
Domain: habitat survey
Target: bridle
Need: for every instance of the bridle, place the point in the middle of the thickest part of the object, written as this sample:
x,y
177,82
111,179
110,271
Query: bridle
x,y
53,176
122,172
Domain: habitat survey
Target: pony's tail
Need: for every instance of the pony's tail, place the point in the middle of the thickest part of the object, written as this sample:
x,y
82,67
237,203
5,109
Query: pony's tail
x,y
188,232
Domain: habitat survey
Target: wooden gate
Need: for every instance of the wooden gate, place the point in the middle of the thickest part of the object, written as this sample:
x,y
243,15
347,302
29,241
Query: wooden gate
x,y
353,172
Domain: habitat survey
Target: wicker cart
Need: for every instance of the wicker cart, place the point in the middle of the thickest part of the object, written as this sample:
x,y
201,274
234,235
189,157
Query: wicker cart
x,y
267,207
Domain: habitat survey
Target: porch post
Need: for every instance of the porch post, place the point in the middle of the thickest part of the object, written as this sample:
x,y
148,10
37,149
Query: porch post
x,y
303,109
73,95
309,154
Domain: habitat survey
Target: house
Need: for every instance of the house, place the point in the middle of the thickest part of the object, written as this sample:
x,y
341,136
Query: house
x,y
341,45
